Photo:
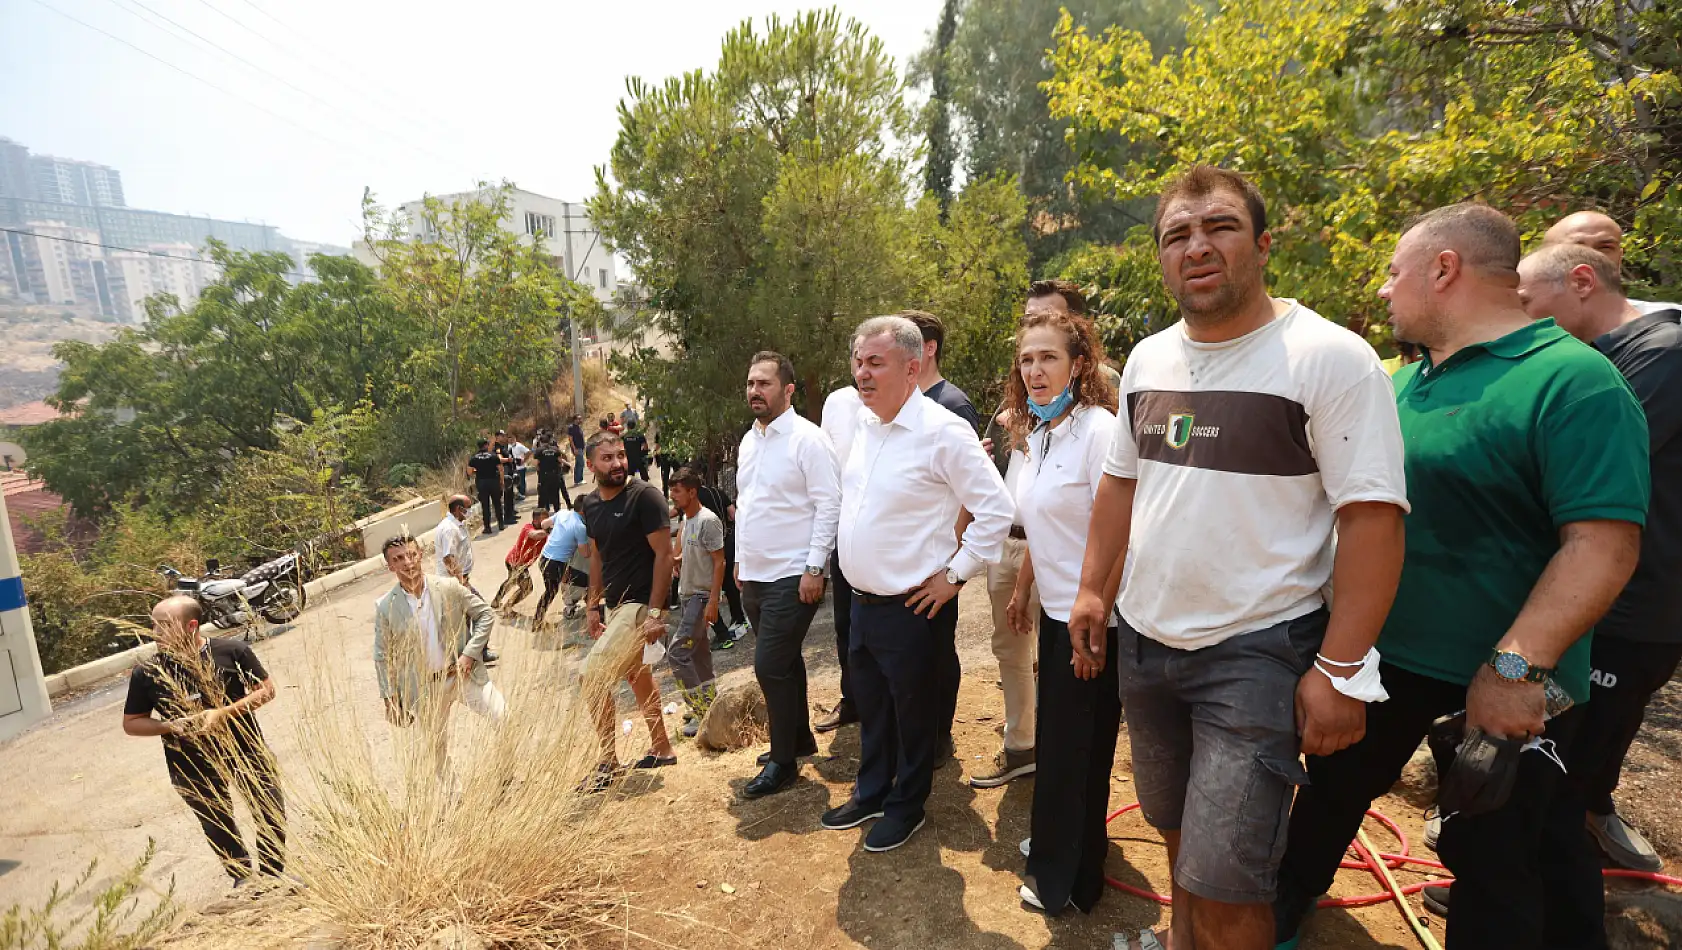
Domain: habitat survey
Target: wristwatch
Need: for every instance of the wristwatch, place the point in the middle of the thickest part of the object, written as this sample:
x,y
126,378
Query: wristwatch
x,y
1514,668
814,571
656,613
953,578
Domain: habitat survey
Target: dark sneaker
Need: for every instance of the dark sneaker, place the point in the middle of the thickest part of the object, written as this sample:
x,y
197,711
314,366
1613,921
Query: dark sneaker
x,y
1007,765
722,643
1435,898
652,761
1625,846
849,815
890,833
690,728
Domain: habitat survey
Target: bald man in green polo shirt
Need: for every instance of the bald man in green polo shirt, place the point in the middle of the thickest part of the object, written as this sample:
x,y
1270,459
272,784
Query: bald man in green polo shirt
x,y
1527,469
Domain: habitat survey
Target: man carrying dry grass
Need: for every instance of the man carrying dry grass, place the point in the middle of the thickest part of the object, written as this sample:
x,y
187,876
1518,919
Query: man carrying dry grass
x,y
631,559
204,694
429,648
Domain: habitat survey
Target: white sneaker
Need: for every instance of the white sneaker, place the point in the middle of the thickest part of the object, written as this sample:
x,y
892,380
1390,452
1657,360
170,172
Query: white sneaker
x,y
1023,847
740,630
1029,897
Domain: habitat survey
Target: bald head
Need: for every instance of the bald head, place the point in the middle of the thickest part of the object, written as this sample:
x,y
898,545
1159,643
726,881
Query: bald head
x,y
1591,229
459,505
175,620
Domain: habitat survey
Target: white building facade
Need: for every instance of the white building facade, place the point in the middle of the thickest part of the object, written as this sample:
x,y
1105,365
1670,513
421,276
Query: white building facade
x,y
561,228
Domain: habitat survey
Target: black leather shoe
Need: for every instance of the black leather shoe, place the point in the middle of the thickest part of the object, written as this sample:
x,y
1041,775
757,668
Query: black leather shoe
x,y
773,778
811,748
849,814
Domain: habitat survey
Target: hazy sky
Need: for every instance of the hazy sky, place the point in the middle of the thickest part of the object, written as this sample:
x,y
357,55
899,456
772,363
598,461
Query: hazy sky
x,y
404,97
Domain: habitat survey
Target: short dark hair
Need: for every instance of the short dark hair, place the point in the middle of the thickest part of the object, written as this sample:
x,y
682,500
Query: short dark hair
x,y
686,476
539,513
604,437
1067,289
395,541
785,368
484,442
1483,237
930,326
1200,180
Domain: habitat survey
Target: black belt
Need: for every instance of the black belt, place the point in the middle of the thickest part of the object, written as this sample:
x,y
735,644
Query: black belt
x,y
878,599
1018,532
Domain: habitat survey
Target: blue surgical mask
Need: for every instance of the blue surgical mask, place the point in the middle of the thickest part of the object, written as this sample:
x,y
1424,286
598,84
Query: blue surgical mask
x,y
1056,407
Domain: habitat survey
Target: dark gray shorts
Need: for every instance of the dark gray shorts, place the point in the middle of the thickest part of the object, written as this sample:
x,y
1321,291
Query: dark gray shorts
x,y
1215,749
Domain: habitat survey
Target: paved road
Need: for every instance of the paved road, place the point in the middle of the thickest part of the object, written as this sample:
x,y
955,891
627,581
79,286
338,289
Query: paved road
x,y
75,788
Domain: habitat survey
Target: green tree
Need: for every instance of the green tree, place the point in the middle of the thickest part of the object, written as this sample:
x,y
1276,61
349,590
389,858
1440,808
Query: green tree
x,y
484,303
1353,115
763,206
942,147
998,57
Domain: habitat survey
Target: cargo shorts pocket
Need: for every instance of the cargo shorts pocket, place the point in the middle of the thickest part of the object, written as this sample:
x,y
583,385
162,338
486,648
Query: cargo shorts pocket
x,y
1264,814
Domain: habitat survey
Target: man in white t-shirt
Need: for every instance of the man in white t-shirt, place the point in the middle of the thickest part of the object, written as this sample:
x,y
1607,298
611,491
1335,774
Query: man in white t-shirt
x,y
1598,230
519,450
1247,433
455,551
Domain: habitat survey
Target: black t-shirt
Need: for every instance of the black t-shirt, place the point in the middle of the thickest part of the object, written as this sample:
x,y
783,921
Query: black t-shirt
x,y
505,455
636,449
620,529
1648,352
575,432
484,466
954,399
222,673
548,459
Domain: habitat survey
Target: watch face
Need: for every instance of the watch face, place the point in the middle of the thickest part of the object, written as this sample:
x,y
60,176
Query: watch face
x,y
1511,666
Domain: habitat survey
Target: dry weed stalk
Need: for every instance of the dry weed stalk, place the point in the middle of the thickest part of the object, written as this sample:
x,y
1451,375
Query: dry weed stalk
x,y
496,839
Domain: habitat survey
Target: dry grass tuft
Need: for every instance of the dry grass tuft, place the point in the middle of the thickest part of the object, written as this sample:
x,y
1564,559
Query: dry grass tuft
x,y
400,848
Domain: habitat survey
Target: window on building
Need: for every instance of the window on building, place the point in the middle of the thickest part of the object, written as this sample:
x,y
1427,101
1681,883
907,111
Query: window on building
x,y
601,275
540,225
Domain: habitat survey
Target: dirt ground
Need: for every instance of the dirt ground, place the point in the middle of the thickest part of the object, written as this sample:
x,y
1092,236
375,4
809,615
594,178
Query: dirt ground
x,y
720,871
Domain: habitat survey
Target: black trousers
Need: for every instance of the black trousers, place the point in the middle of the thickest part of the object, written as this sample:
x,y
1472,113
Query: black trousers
x,y
552,490
732,593
1626,675
490,504
780,622
553,573
509,518
843,610
895,655
1075,739
1526,874
203,782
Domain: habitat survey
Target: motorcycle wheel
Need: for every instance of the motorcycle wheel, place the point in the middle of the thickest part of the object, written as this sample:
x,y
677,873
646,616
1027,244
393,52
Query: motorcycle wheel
x,y
287,603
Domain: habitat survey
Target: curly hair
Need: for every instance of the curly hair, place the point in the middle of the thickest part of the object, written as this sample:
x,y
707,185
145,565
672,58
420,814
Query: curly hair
x,y
1090,387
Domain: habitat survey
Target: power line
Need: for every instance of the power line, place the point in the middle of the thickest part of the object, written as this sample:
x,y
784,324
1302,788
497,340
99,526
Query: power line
x,y
344,68
133,250
268,72
195,77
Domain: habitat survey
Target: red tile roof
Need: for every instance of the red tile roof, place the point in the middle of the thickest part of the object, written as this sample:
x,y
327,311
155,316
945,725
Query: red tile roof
x,y
28,414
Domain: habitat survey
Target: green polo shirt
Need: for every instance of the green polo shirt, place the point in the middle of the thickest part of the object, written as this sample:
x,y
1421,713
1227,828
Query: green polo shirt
x,y
1507,441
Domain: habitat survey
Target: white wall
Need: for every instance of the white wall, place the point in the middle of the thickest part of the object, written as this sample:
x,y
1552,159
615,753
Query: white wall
x,y
582,246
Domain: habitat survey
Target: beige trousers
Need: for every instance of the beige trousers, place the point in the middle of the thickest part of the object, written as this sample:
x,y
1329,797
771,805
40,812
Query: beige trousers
x,y
1016,652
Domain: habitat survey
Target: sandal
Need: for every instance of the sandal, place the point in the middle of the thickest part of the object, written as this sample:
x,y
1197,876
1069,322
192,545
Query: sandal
x,y
652,761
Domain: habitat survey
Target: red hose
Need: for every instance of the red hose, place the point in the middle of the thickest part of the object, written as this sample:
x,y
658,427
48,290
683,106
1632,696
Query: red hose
x,y
1394,861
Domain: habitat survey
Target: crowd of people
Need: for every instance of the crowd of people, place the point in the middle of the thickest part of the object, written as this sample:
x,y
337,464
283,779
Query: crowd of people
x,y
1287,562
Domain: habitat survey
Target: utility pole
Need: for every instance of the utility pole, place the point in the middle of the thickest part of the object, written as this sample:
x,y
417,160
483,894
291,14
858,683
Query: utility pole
x,y
572,319
23,690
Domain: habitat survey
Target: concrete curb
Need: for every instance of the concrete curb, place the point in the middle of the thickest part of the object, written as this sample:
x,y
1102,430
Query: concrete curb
x,y
78,677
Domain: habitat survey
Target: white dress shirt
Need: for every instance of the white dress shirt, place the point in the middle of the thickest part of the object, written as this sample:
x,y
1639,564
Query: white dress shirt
x,y
451,540
1645,306
901,489
421,607
841,420
788,501
1054,492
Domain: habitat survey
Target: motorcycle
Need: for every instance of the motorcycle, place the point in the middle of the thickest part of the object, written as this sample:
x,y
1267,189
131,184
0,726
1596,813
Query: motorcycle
x,y
274,589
